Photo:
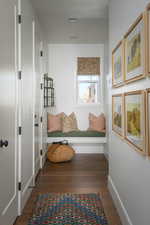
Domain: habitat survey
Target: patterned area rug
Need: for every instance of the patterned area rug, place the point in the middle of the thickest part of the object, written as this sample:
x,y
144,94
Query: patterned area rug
x,y
69,209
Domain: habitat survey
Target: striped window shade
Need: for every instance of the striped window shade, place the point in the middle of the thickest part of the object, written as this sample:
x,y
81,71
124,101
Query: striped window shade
x,y
88,66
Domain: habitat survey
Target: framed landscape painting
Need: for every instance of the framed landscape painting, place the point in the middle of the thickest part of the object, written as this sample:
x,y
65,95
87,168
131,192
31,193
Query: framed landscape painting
x,y
148,121
148,39
118,65
117,114
134,108
135,39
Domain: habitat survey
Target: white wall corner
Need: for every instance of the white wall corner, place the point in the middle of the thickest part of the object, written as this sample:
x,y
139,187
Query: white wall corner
x,y
125,219
106,155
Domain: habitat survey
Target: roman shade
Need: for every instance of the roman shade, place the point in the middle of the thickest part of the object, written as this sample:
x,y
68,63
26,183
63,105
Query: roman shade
x,y
88,66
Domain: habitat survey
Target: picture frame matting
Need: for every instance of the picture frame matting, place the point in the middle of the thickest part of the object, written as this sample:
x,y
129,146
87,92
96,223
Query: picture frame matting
x,y
147,21
118,65
135,50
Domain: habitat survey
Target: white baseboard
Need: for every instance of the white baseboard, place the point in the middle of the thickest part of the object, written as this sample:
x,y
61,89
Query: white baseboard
x,y
88,148
125,219
79,140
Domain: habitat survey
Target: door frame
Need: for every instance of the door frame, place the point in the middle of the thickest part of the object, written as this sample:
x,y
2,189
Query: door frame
x,y
41,104
19,109
34,96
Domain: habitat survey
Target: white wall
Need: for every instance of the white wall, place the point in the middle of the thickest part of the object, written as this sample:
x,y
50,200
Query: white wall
x,y
129,172
63,67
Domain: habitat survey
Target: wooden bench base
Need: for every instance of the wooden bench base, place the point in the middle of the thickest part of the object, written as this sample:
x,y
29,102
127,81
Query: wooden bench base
x,y
79,140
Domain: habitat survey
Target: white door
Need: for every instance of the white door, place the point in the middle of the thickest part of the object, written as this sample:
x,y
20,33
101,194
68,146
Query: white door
x,y
26,114
8,113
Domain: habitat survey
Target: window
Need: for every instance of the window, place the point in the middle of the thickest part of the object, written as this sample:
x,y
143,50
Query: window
x,y
88,89
88,80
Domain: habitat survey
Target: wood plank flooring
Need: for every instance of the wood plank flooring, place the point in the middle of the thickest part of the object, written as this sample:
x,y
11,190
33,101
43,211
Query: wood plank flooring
x,y
86,173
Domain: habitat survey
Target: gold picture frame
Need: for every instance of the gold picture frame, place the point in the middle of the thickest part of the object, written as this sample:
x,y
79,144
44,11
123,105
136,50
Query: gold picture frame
x,y
134,120
117,114
118,65
135,50
147,21
148,120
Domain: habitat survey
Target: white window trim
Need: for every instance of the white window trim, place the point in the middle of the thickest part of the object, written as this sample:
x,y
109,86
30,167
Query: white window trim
x,y
99,93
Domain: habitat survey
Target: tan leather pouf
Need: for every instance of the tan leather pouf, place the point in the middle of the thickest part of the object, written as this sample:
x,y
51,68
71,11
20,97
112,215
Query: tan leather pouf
x,y
60,153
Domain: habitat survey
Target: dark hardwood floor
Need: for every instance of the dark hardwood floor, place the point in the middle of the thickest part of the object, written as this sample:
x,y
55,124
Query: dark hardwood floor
x,y
86,173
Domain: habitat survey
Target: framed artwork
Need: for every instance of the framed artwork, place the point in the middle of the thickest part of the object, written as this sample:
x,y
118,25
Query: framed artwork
x,y
148,39
117,114
134,110
118,65
135,39
148,121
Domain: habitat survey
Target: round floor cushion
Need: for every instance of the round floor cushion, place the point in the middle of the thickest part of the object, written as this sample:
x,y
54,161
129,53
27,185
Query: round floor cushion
x,y
60,153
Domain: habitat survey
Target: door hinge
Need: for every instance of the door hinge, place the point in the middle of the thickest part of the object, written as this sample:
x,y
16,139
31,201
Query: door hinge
x,y
19,19
20,130
19,74
41,53
19,186
41,152
41,119
41,86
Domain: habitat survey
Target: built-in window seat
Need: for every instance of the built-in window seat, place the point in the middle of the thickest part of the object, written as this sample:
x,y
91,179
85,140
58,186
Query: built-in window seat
x,y
78,137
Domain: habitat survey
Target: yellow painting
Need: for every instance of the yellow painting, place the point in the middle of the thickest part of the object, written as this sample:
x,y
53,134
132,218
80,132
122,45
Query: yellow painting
x,y
117,68
117,119
117,65
134,53
133,119
117,114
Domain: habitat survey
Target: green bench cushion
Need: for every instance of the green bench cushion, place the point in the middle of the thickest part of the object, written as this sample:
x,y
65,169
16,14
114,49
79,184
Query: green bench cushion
x,y
76,134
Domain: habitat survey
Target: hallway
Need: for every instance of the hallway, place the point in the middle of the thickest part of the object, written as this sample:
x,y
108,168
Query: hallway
x,y
87,173
75,71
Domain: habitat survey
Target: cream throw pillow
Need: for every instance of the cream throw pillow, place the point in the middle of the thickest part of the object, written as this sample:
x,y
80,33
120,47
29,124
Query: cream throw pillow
x,y
69,123
97,123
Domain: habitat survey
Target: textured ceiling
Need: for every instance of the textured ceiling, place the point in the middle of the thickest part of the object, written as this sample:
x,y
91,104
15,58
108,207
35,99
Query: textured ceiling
x,y
53,16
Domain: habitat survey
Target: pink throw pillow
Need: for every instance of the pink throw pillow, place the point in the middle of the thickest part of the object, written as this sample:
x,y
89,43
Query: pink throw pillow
x,y
97,123
54,122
